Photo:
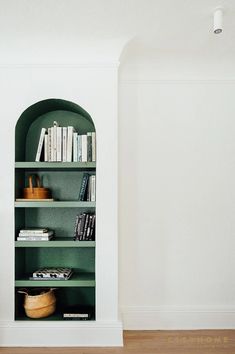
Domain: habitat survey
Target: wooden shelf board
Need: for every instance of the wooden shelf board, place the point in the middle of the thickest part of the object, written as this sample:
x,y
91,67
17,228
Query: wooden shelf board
x,y
56,204
56,165
57,242
76,280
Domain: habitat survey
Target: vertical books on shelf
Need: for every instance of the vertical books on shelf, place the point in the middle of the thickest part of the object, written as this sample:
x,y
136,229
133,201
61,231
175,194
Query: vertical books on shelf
x,y
64,144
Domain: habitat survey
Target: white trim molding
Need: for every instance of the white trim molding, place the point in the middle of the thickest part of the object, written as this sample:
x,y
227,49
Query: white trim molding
x,y
177,318
54,334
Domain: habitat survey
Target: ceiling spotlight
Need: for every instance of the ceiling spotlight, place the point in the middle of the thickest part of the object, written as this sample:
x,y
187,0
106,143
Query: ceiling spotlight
x,y
218,20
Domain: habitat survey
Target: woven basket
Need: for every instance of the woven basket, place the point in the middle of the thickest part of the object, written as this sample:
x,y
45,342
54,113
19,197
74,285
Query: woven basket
x,y
36,192
39,306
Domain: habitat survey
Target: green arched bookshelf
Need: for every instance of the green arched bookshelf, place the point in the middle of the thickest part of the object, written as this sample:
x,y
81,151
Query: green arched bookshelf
x,y
64,179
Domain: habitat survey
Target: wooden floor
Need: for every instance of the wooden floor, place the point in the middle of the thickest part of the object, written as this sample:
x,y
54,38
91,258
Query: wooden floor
x,y
153,342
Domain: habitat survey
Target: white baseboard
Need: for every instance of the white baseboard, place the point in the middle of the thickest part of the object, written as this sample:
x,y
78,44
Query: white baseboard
x,y
177,318
69,334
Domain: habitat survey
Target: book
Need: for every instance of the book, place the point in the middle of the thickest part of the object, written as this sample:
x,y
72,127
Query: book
x,y
49,145
50,278
34,230
54,146
89,228
79,148
64,148
83,188
59,144
70,143
78,312
36,234
52,273
93,139
40,145
84,148
92,232
75,147
89,147
76,227
93,188
34,238
46,147
85,227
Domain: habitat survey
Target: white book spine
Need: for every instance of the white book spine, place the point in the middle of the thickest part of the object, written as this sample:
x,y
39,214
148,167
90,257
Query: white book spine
x,y
40,144
70,144
93,188
84,148
79,148
75,147
59,144
54,143
36,231
93,144
64,149
33,238
46,147
45,234
49,144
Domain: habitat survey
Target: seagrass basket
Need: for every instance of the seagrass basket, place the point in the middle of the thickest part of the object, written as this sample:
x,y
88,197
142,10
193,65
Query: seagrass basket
x,y
41,305
37,192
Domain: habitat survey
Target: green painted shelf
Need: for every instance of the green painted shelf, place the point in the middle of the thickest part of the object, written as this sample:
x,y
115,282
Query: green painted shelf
x,y
76,280
56,204
57,242
55,317
56,165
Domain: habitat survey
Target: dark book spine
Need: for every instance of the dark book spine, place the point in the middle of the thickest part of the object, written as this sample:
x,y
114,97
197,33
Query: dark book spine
x,y
89,147
88,194
92,233
85,227
83,187
78,227
83,219
75,228
89,228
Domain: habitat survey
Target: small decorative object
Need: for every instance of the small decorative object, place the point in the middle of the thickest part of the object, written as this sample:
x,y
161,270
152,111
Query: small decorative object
x,y
38,192
39,305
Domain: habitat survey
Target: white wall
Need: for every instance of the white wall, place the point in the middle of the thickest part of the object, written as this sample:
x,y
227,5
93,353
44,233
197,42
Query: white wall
x,y
95,89
176,203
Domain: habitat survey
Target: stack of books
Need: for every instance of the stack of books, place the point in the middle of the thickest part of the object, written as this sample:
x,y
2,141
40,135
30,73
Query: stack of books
x,y
56,273
64,144
35,234
84,227
88,188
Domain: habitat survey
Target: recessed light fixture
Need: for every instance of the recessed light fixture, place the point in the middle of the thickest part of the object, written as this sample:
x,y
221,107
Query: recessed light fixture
x,y
218,20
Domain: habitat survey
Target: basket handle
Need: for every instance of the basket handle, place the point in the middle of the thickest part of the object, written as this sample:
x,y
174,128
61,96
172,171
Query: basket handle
x,y
31,182
23,292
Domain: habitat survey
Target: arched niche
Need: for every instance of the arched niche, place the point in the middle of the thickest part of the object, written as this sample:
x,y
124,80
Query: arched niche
x,y
42,115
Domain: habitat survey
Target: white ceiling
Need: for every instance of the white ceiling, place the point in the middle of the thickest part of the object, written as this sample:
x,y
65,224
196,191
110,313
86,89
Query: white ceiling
x,y
63,30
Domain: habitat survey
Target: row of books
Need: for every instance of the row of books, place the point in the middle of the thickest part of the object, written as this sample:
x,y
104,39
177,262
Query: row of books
x,y
36,234
88,188
84,229
64,144
54,273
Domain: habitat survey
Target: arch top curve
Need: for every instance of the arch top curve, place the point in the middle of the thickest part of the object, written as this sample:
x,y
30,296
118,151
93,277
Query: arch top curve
x,y
42,114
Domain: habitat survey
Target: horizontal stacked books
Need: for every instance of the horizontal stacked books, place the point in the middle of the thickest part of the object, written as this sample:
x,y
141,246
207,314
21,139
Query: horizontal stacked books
x,y
35,235
57,273
79,312
84,227
64,144
88,188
